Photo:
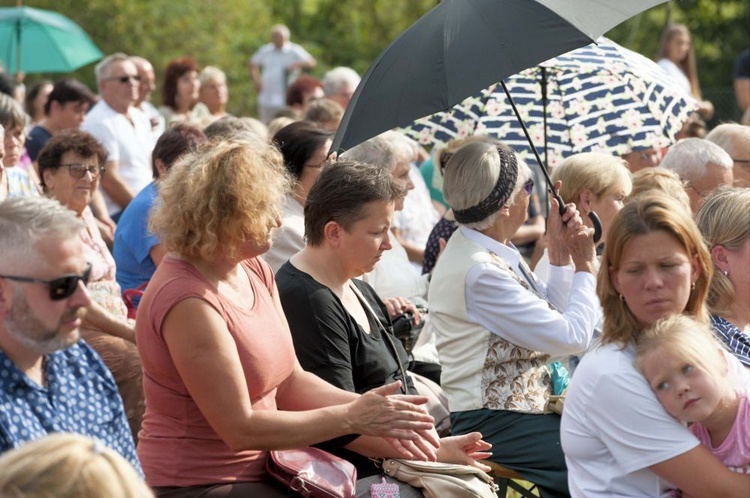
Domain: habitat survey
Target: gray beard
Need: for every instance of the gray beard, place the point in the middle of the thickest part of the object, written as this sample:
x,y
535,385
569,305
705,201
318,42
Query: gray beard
x,y
31,333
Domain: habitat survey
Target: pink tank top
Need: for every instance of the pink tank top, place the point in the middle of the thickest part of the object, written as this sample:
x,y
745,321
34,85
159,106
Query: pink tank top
x,y
177,445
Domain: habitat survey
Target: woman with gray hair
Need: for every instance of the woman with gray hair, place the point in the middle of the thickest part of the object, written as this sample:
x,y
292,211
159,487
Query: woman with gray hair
x,y
497,325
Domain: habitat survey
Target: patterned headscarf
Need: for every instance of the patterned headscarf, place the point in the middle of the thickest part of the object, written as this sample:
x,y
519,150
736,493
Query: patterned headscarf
x,y
499,196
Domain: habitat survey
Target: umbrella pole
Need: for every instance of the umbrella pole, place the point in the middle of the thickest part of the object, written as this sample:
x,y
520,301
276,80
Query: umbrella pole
x,y
544,118
550,186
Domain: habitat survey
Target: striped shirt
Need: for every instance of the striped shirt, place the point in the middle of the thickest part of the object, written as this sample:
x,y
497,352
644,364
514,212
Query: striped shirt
x,y
737,341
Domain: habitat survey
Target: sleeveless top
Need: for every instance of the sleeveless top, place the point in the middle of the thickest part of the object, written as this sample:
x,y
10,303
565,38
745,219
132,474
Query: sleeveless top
x,y
177,445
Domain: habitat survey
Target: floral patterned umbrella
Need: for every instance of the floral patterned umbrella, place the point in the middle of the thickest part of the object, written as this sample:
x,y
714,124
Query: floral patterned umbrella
x,y
601,97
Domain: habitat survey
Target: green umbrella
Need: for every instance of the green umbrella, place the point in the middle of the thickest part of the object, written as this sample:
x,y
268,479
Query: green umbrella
x,y
44,41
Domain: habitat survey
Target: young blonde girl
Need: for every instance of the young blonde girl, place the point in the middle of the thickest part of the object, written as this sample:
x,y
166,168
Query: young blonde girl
x,y
68,466
687,370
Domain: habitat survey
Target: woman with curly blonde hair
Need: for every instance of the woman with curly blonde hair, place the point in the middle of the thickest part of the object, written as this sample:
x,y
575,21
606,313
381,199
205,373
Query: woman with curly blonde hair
x,y
222,383
68,466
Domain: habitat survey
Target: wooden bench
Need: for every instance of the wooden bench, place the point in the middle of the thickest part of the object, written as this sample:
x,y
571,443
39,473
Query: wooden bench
x,y
505,478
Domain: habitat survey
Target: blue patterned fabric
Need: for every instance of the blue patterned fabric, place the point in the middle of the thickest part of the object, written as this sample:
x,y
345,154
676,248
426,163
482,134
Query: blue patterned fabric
x,y
737,341
600,98
80,397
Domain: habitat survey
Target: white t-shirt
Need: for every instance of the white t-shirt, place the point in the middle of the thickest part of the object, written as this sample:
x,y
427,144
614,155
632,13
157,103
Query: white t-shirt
x,y
273,64
130,144
394,276
289,239
613,428
679,79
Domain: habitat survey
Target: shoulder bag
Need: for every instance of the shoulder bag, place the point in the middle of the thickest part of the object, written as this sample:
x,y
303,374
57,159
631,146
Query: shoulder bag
x,y
440,480
313,473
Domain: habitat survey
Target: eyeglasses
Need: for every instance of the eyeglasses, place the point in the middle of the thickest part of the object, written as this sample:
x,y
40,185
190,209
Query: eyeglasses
x,y
59,288
124,79
741,160
528,187
78,171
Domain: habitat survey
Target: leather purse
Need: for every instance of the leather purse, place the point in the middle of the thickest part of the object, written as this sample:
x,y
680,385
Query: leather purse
x,y
439,480
313,473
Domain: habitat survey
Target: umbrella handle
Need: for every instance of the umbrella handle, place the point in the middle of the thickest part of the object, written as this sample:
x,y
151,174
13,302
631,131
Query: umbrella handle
x,y
592,216
597,226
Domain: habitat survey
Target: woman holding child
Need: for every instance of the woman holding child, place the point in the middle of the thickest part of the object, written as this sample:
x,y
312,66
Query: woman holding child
x,y
617,438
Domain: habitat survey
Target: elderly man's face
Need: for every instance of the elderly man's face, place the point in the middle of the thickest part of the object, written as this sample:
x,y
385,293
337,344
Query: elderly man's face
x,y
278,39
344,95
119,87
148,82
715,176
36,322
741,156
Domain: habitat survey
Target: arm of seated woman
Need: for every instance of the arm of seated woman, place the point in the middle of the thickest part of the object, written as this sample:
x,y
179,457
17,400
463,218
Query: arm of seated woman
x,y
699,473
99,318
532,324
205,356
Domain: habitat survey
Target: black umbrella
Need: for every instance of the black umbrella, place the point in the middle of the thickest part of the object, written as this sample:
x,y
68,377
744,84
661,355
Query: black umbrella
x,y
463,46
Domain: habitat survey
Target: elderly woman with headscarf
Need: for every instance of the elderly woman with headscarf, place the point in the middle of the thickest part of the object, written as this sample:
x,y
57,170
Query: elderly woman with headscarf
x,y
497,325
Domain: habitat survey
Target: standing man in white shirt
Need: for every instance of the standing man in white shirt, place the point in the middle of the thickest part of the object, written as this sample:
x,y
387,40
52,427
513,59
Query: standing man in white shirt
x,y
123,130
270,68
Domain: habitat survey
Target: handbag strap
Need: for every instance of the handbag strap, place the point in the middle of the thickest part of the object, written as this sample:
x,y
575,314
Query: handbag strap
x,y
383,331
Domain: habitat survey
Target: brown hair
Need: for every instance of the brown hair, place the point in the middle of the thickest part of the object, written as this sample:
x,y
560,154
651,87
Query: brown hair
x,y
645,215
342,192
174,72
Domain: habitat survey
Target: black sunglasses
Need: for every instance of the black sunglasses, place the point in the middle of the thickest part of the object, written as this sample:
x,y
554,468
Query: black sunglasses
x,y
124,79
59,288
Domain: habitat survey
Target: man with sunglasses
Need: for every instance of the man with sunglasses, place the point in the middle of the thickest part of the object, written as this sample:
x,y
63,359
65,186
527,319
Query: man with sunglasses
x,y
50,380
123,129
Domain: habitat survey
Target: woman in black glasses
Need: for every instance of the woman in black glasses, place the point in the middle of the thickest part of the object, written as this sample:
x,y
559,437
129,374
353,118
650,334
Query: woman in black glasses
x,y
70,167
496,324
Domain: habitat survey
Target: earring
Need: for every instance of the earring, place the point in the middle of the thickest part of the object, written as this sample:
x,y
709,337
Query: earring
x,y
726,273
692,286
621,298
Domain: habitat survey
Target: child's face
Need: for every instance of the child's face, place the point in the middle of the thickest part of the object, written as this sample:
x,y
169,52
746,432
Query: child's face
x,y
685,391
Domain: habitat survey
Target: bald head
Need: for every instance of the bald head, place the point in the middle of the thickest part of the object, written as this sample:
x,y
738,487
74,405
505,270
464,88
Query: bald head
x,y
735,140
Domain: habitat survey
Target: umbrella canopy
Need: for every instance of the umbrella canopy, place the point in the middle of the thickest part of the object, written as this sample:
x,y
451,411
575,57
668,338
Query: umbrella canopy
x,y
599,98
463,46
49,42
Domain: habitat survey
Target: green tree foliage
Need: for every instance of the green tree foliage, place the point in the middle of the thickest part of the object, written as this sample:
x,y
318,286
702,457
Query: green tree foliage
x,y
352,33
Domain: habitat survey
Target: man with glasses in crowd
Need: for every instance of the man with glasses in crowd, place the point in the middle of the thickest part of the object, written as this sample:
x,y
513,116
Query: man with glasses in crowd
x,y
123,130
50,380
702,165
